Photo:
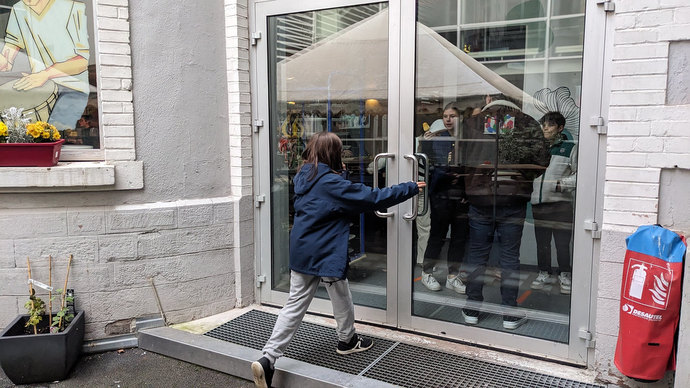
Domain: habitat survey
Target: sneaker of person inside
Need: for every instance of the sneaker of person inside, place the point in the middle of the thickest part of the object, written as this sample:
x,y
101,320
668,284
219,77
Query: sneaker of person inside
x,y
565,279
263,373
356,344
471,316
430,282
512,322
542,279
454,283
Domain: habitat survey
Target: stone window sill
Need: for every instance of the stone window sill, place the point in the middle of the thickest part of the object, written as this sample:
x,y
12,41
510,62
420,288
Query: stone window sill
x,y
73,176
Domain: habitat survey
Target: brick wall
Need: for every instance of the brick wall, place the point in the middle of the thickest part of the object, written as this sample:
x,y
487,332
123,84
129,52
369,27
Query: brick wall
x,y
646,136
115,82
183,246
239,108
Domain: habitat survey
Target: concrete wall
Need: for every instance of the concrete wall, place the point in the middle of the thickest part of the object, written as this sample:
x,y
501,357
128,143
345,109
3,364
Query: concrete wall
x,y
190,228
647,150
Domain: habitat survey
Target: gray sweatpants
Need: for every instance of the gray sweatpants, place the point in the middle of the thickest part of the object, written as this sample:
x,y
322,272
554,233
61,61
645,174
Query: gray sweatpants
x,y
302,290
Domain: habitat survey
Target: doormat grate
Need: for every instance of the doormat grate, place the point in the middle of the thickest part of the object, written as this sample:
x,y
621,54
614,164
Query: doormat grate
x,y
401,364
313,344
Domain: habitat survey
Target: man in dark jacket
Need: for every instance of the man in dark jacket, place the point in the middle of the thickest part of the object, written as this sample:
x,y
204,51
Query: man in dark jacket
x,y
503,157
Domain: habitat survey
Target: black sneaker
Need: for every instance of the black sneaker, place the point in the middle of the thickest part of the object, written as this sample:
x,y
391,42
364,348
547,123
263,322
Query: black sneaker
x,y
356,344
263,373
512,322
471,316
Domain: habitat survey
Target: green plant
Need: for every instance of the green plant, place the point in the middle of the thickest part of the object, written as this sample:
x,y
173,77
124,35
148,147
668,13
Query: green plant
x,y
36,308
521,146
64,316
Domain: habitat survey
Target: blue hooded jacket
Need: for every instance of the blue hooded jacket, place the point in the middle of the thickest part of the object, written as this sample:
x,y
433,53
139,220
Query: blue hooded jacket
x,y
323,207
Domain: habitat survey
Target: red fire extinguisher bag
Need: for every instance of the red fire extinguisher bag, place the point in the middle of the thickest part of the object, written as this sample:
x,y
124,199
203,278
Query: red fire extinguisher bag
x,y
650,303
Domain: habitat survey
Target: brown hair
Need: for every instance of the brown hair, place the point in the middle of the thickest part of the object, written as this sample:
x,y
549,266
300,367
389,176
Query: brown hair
x,y
452,105
323,147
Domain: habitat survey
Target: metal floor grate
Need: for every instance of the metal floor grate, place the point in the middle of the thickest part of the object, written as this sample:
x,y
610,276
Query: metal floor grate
x,y
388,361
314,344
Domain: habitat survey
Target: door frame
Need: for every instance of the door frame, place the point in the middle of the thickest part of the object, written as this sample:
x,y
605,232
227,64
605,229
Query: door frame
x,y
259,11
402,60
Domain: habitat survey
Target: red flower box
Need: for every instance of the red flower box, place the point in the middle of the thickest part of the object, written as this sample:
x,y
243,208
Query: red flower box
x,y
30,154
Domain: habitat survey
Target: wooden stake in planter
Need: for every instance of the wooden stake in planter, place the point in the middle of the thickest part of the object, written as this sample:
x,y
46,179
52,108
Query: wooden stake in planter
x,y
64,290
31,288
50,293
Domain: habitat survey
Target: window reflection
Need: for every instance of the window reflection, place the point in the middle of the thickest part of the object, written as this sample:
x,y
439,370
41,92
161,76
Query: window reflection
x,y
495,250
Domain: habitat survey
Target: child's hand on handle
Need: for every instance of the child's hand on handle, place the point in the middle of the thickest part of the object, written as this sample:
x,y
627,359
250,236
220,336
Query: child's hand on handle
x,y
421,185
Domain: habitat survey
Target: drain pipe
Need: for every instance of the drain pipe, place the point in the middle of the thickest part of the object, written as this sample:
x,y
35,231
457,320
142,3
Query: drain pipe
x,y
124,341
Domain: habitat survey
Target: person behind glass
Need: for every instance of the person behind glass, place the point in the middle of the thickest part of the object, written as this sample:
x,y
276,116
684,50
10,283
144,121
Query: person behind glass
x,y
448,206
552,204
324,202
498,197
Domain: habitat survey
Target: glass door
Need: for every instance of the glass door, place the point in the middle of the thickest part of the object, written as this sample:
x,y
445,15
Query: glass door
x,y
328,69
484,100
495,112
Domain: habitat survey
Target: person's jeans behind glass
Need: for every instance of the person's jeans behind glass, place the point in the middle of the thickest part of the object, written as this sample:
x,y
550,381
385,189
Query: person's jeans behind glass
x,y
553,219
507,225
447,211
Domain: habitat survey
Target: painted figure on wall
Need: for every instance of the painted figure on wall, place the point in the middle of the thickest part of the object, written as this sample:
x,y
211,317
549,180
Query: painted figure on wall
x,y
53,36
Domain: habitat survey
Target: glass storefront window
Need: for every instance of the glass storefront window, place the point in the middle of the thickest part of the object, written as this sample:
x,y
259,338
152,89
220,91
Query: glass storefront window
x,y
567,7
48,66
497,117
485,11
436,15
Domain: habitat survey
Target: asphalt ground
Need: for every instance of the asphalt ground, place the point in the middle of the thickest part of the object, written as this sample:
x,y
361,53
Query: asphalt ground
x,y
134,368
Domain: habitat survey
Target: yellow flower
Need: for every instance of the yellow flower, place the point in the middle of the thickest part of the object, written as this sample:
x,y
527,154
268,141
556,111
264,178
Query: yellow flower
x,y
56,135
3,129
33,131
45,135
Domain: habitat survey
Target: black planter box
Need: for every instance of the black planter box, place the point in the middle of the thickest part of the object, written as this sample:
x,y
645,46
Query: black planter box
x,y
39,358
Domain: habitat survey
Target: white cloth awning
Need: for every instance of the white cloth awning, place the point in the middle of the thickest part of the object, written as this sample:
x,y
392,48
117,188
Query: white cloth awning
x,y
353,65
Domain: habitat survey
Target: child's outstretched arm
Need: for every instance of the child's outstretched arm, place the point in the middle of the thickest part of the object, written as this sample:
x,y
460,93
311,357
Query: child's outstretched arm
x,y
356,197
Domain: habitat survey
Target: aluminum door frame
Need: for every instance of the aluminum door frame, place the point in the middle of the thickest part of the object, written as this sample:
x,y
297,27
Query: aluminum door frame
x,y
401,115
588,206
259,12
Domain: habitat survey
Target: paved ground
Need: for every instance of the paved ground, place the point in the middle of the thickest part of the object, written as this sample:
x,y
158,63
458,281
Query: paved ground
x,y
136,368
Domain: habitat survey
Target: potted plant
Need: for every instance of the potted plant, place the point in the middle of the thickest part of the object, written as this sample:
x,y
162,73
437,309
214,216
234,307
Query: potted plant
x,y
27,144
42,346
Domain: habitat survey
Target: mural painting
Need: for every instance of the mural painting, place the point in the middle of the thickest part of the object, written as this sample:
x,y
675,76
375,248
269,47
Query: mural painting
x,y
46,66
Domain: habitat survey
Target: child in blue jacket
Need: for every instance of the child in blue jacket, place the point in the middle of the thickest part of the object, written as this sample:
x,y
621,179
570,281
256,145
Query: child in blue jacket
x,y
324,202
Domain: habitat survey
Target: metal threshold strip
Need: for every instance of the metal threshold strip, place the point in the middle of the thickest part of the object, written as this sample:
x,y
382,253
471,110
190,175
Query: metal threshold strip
x,y
390,362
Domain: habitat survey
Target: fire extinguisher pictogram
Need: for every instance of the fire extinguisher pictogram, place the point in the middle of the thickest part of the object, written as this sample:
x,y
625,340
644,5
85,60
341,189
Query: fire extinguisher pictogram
x,y
638,278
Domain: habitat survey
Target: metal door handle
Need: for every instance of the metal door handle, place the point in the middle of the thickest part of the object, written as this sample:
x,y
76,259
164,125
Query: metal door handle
x,y
385,155
415,178
427,179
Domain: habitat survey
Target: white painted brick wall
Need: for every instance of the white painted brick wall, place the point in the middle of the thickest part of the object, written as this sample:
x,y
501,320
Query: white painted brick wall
x,y
239,101
188,247
237,32
645,135
115,76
